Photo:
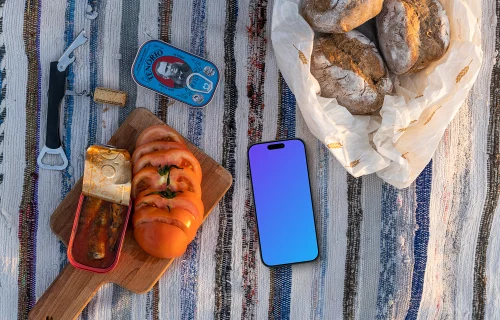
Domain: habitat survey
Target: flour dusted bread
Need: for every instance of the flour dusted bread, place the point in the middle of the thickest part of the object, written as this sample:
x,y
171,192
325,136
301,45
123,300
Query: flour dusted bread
x,y
412,34
349,68
339,16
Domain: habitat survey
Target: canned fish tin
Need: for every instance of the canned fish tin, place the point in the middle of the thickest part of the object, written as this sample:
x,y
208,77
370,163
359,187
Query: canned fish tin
x,y
175,73
103,210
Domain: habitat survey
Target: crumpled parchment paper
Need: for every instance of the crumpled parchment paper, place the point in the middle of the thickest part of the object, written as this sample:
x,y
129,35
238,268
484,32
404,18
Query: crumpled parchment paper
x,y
398,143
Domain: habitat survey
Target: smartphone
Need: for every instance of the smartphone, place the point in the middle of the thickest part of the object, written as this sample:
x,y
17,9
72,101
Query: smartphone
x,y
283,204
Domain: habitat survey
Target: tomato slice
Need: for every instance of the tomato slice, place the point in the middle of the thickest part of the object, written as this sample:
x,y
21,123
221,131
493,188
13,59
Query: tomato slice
x,y
180,158
180,218
150,178
155,146
163,200
161,240
158,133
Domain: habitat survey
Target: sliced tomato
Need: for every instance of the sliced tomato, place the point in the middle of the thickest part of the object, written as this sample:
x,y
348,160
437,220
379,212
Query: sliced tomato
x,y
180,158
158,133
155,146
178,217
150,178
161,240
164,200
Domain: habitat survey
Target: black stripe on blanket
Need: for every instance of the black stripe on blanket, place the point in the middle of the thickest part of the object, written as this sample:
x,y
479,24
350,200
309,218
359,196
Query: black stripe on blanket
x,y
122,298
224,239
165,19
128,49
256,68
355,216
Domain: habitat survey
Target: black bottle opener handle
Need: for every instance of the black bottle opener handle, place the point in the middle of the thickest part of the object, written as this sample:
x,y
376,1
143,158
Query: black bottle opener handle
x,y
57,89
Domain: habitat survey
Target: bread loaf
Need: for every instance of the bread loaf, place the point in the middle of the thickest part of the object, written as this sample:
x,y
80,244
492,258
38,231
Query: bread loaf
x,y
349,68
412,34
339,16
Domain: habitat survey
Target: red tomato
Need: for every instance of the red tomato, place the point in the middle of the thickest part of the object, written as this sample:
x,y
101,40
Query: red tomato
x,y
161,240
180,180
180,158
158,133
177,217
171,200
155,146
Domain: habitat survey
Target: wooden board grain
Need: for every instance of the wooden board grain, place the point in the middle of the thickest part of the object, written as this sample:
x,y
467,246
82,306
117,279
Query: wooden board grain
x,y
136,271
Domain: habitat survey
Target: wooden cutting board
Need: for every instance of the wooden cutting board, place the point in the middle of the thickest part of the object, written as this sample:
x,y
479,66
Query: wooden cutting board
x,y
136,271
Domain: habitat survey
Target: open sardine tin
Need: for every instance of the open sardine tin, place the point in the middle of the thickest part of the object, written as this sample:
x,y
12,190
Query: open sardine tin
x,y
175,73
103,210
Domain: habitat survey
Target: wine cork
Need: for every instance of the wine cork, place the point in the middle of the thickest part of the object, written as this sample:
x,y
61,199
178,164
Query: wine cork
x,y
110,96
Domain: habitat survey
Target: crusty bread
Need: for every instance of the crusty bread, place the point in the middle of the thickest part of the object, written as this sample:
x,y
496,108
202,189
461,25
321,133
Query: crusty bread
x,y
339,16
412,34
349,68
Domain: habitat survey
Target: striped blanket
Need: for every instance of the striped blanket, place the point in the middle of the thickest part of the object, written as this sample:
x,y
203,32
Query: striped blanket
x,y
430,251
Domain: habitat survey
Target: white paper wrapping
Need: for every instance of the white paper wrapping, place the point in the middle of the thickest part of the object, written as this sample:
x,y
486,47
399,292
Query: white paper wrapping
x,y
399,143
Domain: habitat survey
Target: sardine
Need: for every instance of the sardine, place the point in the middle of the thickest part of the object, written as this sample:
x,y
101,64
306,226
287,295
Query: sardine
x,y
117,219
97,239
88,213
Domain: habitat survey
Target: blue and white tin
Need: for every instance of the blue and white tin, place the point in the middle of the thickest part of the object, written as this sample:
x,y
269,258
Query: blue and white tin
x,y
175,73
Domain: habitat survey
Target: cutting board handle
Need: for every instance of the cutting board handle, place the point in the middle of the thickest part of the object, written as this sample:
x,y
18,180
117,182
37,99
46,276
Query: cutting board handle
x,y
66,297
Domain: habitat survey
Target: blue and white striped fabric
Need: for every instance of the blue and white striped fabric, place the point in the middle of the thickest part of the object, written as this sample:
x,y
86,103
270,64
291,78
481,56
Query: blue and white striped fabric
x,y
430,251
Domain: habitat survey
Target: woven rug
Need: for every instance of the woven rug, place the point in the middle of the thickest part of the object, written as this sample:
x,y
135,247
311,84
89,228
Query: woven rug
x,y
431,251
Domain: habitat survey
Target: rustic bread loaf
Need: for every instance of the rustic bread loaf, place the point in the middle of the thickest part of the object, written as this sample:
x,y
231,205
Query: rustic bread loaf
x,y
412,34
339,16
349,68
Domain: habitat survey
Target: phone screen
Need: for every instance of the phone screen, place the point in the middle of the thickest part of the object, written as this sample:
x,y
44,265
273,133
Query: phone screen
x,y
282,196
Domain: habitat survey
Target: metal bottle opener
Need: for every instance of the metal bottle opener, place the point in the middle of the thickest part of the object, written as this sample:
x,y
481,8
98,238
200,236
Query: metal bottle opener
x,y
57,89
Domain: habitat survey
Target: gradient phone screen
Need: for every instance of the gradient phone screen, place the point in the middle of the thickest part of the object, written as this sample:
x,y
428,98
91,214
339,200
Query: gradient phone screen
x,y
282,196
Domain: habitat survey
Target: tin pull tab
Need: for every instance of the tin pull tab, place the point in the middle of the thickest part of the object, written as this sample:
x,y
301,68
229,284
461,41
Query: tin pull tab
x,y
199,83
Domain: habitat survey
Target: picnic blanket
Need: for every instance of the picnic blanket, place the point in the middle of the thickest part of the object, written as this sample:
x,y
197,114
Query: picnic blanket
x,y
430,251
